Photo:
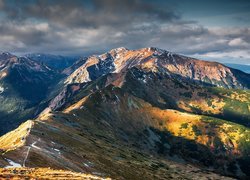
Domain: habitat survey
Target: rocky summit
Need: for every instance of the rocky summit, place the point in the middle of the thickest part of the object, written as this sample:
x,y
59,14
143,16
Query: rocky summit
x,y
158,60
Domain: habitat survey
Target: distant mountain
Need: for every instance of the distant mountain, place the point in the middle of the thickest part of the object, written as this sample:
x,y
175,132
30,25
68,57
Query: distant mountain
x,y
140,114
24,83
54,61
242,67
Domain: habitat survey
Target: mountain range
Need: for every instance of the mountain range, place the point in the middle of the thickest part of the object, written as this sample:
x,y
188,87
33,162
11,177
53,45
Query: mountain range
x,y
126,114
242,67
24,84
56,62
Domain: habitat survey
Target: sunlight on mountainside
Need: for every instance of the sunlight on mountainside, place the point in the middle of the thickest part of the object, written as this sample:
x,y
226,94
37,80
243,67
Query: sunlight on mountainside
x,y
16,138
44,173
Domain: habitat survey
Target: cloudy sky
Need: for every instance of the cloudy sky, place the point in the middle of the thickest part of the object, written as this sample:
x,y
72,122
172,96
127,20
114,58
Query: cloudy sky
x,y
214,30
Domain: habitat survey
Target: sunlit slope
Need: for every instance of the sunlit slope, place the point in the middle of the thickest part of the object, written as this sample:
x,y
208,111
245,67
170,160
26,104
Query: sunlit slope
x,y
44,173
16,138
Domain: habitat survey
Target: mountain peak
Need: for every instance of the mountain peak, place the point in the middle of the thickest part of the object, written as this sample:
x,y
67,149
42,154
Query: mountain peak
x,y
5,55
119,49
153,49
156,60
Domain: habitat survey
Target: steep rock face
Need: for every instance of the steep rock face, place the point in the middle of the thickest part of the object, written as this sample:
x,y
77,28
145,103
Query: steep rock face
x,y
23,85
157,60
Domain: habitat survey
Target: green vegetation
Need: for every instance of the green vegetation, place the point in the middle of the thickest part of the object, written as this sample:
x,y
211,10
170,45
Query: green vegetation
x,y
202,94
244,143
196,130
184,126
187,94
218,144
209,102
196,109
237,103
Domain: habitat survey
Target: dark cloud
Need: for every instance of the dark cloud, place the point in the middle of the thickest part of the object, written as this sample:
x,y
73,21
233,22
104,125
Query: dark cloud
x,y
1,4
94,13
95,26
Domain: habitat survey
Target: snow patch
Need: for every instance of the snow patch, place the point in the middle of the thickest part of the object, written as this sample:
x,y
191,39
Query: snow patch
x,y
118,56
56,149
117,98
143,79
10,110
85,164
158,52
1,89
12,164
88,164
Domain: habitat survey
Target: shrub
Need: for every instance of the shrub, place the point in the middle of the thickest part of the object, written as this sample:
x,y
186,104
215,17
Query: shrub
x,y
196,130
184,126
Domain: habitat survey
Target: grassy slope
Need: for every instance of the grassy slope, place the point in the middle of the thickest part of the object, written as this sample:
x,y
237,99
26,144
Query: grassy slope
x,y
43,173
